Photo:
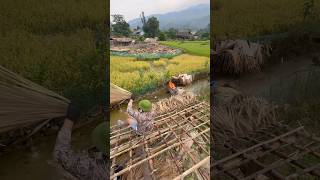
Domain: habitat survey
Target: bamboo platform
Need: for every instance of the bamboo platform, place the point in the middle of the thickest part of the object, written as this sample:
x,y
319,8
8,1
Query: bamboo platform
x,y
275,152
186,130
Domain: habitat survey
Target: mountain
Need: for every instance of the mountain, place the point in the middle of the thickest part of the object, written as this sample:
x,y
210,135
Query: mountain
x,y
194,18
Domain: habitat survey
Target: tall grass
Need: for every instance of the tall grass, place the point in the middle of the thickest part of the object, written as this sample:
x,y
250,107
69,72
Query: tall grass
x,y
300,98
189,64
56,44
300,87
248,18
51,16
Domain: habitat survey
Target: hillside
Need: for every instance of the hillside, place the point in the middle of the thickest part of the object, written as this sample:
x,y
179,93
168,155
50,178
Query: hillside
x,y
194,18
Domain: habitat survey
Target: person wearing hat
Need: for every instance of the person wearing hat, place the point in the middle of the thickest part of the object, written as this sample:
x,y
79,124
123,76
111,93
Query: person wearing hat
x,y
172,88
80,165
141,120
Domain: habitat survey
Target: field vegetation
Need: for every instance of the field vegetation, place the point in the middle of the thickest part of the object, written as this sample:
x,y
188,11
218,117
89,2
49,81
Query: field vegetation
x,y
57,44
247,18
143,76
199,48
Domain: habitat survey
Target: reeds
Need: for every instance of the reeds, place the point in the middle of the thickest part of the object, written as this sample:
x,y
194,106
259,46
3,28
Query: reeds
x,y
23,102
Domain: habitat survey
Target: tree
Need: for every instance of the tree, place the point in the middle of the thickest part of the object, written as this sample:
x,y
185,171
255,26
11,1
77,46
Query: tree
x,y
172,33
204,33
119,26
151,27
162,36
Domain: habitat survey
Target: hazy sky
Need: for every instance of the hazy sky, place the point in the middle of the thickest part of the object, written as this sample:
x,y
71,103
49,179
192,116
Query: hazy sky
x,y
132,8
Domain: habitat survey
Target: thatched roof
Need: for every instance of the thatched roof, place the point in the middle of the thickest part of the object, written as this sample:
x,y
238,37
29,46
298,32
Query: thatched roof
x,y
24,103
117,94
238,56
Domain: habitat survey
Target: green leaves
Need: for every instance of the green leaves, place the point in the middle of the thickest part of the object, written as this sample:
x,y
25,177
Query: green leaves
x,y
151,27
120,27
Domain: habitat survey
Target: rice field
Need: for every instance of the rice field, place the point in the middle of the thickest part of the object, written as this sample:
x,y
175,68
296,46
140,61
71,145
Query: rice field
x,y
56,44
199,48
248,18
143,76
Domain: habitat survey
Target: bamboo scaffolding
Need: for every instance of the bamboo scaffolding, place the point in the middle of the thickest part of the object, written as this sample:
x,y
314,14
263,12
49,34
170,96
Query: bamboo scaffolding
x,y
181,136
287,146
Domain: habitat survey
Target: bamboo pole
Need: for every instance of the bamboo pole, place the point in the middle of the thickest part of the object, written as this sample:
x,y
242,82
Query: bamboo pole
x,y
156,154
193,168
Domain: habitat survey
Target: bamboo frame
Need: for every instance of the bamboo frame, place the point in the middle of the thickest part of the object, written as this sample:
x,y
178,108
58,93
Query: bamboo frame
x,y
286,148
186,129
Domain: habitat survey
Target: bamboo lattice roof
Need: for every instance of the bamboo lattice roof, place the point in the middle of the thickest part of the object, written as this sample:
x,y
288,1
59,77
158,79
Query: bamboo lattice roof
x,y
274,152
185,132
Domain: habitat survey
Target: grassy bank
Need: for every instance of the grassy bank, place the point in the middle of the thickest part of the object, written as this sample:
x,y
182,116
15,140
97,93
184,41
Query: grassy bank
x,y
56,44
199,48
143,76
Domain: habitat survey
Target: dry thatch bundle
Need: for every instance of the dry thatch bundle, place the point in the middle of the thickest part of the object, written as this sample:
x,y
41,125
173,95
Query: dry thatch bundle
x,y
238,56
174,102
225,95
23,102
241,117
117,94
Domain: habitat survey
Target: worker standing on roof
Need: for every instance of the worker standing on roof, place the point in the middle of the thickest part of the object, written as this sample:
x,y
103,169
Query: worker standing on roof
x,y
80,165
172,88
141,120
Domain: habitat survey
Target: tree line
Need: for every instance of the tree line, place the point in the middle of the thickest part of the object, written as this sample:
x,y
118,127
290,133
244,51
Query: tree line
x,y
150,27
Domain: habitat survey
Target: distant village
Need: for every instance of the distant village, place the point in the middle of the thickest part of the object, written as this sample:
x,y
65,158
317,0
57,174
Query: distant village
x,y
124,35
